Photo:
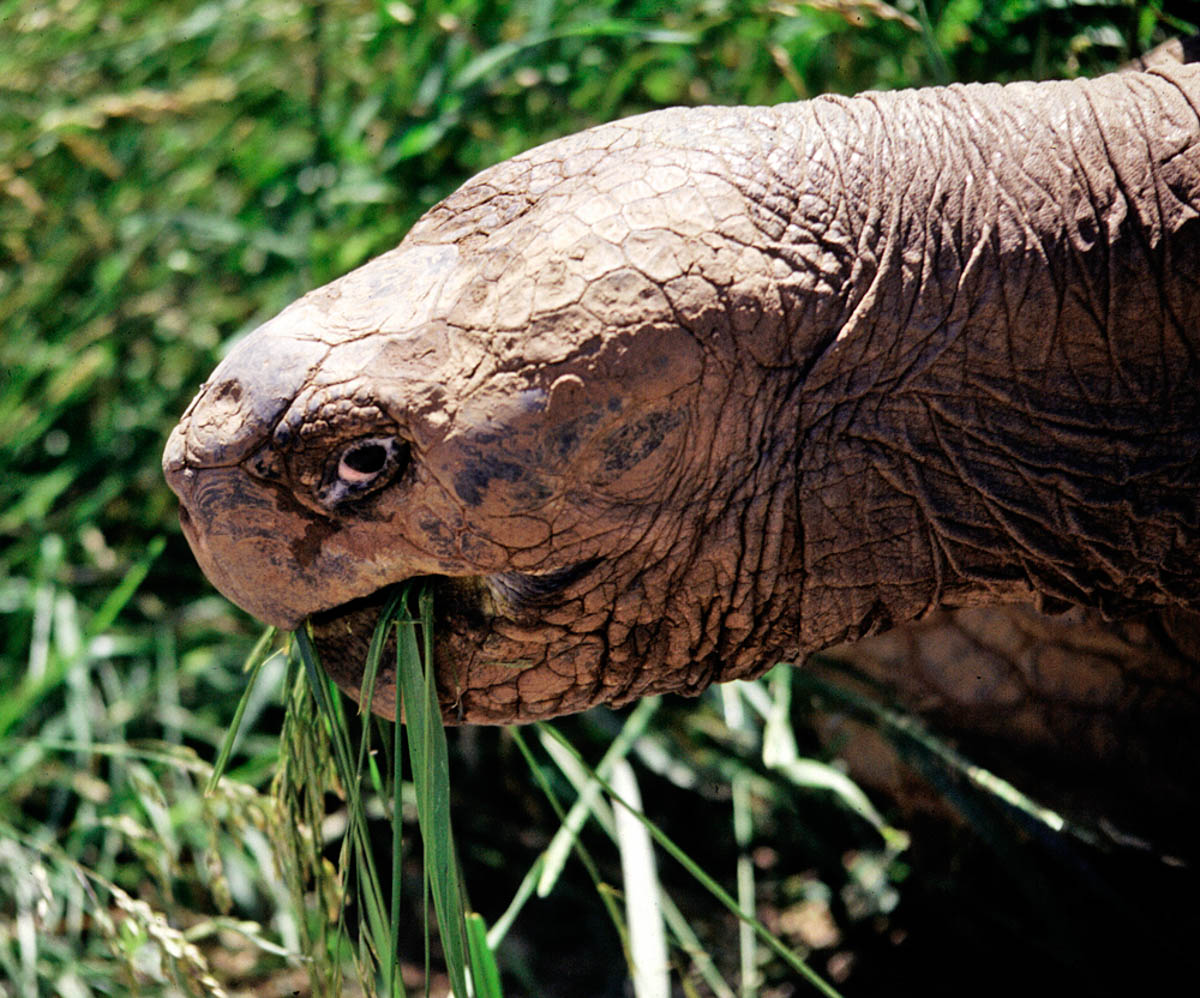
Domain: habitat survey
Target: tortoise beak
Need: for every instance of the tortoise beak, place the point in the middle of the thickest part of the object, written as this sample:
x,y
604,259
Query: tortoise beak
x,y
220,538
232,520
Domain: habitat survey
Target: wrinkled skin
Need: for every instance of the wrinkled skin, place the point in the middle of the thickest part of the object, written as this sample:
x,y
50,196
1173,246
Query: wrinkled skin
x,y
667,401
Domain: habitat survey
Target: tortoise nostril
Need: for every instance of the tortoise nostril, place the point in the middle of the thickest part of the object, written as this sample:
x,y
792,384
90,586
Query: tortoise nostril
x,y
229,390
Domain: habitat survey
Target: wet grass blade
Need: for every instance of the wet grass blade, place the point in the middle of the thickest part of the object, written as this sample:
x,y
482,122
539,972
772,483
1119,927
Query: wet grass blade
x,y
650,971
689,942
923,749
386,930
428,757
780,753
556,853
602,889
485,973
366,760
431,777
393,987
379,932
600,810
257,658
524,892
707,882
743,832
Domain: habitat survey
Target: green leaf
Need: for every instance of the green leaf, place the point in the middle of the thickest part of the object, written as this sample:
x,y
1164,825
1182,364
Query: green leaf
x,y
431,777
483,960
254,662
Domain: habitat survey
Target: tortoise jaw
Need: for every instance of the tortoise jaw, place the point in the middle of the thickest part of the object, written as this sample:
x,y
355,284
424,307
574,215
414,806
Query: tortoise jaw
x,y
343,635
496,658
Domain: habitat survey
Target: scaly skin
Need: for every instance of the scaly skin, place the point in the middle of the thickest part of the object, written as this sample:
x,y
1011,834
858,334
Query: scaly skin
x,y
680,396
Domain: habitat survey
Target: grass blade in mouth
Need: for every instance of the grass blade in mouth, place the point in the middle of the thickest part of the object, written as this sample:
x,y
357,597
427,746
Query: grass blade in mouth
x,y
378,930
463,934
431,777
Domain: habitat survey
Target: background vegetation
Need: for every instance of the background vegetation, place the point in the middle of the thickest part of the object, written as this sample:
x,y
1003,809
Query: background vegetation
x,y
173,173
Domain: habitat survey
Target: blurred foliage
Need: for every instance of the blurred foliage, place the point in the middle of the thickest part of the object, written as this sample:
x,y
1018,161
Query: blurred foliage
x,y
173,173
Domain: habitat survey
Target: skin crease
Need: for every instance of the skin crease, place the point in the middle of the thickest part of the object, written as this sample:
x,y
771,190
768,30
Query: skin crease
x,y
682,396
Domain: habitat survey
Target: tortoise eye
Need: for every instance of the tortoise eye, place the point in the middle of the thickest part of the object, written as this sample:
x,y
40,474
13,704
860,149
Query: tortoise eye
x,y
363,461
363,466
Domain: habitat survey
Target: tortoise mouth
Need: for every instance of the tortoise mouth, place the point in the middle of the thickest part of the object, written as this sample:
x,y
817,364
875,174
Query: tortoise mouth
x,y
343,633
467,612
521,592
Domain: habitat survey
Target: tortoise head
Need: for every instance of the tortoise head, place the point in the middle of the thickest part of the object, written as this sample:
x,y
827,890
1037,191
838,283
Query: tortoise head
x,y
535,403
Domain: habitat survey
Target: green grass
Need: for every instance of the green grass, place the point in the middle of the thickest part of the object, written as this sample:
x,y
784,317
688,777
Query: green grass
x,y
468,949
408,619
173,173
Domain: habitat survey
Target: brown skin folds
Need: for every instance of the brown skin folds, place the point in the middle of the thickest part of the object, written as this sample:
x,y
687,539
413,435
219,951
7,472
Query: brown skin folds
x,y
681,396
1095,718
